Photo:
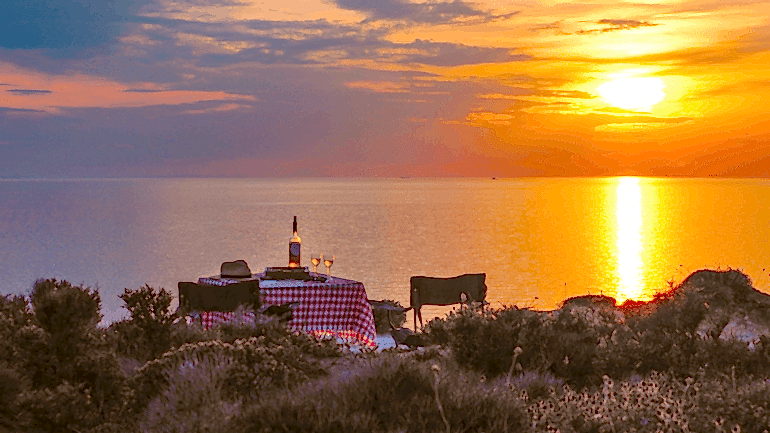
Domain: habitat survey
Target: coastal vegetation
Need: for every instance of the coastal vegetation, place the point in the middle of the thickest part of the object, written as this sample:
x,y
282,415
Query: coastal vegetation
x,y
696,358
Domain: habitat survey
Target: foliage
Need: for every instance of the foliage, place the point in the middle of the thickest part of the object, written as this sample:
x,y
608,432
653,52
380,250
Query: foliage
x,y
656,403
383,318
583,368
12,384
195,399
148,332
564,345
257,363
72,380
63,309
391,394
14,315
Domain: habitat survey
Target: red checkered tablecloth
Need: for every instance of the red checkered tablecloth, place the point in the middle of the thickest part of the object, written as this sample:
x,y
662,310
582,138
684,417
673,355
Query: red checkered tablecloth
x,y
335,308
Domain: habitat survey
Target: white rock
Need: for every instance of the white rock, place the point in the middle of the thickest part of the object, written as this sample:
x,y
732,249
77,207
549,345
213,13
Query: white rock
x,y
743,329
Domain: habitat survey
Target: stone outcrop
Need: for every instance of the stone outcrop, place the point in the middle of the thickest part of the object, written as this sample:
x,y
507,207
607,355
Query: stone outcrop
x,y
734,309
722,304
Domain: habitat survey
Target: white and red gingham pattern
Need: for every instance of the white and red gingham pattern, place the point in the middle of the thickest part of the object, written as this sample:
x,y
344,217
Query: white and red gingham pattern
x,y
336,307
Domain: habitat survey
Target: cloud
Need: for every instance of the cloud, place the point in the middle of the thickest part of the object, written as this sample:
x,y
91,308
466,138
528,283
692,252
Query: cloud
x,y
452,54
78,91
28,91
453,12
67,27
10,110
613,25
298,43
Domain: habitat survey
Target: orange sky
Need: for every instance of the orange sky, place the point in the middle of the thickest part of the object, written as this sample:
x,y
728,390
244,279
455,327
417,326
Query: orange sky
x,y
385,88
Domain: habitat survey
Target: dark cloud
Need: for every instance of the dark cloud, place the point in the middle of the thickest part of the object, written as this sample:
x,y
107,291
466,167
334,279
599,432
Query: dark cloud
x,y
624,24
142,91
456,11
449,54
556,25
67,28
28,91
18,110
304,42
564,94
612,25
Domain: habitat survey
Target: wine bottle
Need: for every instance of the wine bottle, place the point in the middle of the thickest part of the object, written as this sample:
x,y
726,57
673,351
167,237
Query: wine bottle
x,y
295,245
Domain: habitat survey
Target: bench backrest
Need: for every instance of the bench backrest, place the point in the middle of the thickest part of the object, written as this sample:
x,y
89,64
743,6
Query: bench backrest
x,y
447,291
203,297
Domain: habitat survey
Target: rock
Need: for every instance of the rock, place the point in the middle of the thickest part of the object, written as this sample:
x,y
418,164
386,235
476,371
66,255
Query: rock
x,y
708,279
745,330
736,311
596,310
713,323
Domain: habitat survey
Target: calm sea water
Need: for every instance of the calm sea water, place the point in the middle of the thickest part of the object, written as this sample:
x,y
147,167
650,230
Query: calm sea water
x,y
538,240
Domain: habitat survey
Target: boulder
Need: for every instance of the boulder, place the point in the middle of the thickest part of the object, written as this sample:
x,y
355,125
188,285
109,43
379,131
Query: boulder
x,y
745,330
736,311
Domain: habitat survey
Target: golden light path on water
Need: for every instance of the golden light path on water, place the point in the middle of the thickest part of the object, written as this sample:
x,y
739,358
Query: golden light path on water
x,y
629,239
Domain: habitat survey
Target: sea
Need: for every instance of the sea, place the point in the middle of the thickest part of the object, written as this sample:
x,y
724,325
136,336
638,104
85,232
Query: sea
x,y
538,240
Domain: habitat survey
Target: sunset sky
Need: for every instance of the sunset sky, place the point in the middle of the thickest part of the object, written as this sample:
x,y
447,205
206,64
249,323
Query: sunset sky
x,y
126,88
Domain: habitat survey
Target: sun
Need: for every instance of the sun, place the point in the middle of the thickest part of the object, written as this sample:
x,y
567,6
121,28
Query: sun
x,y
633,93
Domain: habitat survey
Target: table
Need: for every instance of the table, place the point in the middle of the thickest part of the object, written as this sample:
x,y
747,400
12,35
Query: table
x,y
336,308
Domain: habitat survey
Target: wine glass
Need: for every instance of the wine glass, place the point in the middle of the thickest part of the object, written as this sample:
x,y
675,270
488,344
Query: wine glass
x,y
328,261
315,259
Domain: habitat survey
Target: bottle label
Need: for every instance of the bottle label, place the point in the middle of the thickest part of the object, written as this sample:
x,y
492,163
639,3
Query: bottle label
x,y
294,253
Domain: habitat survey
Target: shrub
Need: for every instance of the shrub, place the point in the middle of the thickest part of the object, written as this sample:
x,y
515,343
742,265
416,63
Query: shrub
x,y
391,394
75,380
257,364
195,399
657,402
61,308
729,403
14,315
485,342
64,407
12,384
148,332
538,386
648,405
383,318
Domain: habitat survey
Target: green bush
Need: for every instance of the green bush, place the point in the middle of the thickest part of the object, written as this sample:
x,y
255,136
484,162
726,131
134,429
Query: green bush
x,y
75,379
12,384
730,403
485,342
382,320
14,315
258,363
147,333
195,399
391,394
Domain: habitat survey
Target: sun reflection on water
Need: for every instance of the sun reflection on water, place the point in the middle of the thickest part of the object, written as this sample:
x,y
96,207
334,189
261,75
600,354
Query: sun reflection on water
x,y
629,239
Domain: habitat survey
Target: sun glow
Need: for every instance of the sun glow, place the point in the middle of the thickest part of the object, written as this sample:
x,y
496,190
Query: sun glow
x,y
629,240
633,93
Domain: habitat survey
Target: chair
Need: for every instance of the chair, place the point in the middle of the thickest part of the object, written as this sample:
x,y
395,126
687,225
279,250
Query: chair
x,y
204,297
463,289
